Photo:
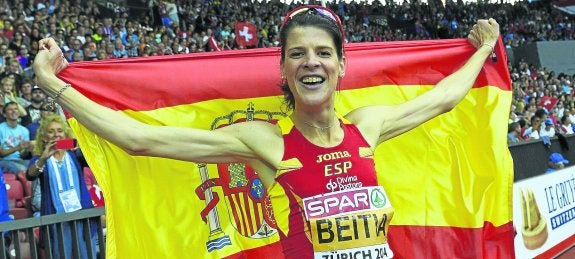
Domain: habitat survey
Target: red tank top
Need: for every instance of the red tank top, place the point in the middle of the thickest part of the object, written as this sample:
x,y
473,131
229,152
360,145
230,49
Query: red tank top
x,y
308,170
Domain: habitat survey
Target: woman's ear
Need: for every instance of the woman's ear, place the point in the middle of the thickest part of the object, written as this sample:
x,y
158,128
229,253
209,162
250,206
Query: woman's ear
x,y
342,65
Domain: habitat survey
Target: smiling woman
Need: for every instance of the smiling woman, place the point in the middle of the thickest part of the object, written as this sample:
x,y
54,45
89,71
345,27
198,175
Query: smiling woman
x,y
310,64
317,164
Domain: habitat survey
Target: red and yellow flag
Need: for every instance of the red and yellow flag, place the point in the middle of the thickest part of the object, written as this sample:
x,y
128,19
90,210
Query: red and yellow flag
x,y
450,180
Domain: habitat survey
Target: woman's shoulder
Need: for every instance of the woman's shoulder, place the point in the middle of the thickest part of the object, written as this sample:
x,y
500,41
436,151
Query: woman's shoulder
x,y
369,120
262,143
256,134
368,113
257,128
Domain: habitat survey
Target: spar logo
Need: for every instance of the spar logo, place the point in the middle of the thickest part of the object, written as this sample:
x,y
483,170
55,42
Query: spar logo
x,y
378,198
343,202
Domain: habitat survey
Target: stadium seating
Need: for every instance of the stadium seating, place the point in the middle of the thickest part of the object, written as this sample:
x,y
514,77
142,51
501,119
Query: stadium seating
x,y
16,197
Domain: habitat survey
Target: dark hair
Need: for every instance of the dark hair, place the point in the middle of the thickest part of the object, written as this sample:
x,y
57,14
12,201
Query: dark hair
x,y
7,104
308,18
522,122
540,113
512,126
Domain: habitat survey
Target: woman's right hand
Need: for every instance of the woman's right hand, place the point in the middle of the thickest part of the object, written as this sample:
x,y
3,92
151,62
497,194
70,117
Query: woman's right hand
x,y
49,150
49,61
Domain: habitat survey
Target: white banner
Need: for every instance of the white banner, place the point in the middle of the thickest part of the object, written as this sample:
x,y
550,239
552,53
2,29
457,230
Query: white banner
x,y
544,212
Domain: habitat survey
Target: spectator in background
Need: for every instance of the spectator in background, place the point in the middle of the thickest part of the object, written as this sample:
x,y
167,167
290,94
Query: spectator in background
x,y
24,58
548,130
15,141
98,35
119,49
523,125
45,111
533,131
556,162
76,47
10,94
25,97
514,133
62,182
131,46
81,34
551,115
110,52
77,57
101,54
19,41
541,114
89,53
34,109
163,13
572,114
13,69
172,12
566,127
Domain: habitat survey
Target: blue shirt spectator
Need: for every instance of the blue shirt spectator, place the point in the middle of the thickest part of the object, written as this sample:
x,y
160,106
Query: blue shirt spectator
x,y
556,161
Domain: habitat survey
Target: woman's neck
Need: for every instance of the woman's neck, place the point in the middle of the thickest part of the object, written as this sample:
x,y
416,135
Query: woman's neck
x,y
59,155
322,130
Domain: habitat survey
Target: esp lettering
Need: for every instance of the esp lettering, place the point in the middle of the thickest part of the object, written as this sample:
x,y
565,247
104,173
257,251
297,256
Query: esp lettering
x,y
337,168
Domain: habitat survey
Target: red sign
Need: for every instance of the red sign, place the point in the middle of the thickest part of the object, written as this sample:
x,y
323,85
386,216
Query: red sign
x,y
246,34
548,102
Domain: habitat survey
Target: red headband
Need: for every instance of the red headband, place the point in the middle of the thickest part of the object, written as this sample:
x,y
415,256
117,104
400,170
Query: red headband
x,y
323,11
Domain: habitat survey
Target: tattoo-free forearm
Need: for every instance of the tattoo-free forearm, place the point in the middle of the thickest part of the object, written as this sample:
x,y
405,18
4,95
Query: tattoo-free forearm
x,y
113,126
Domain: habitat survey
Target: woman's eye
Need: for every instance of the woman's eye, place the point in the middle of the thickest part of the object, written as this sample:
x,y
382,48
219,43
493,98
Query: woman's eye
x,y
296,55
324,54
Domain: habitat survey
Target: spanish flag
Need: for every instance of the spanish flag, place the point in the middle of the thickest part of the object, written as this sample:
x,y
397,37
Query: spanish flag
x,y
450,179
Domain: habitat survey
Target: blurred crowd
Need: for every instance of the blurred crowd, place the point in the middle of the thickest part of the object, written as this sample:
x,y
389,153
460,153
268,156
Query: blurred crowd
x,y
543,103
89,31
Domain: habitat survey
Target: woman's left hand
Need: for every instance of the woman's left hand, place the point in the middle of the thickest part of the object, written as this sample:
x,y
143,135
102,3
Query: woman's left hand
x,y
484,32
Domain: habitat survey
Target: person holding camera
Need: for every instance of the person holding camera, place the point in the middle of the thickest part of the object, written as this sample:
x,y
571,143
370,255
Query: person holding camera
x,y
60,176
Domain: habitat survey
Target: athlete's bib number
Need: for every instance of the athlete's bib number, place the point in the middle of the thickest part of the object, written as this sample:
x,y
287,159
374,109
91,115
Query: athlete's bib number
x,y
350,224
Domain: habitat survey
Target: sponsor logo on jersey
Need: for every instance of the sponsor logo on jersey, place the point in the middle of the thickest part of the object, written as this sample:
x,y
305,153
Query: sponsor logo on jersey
x,y
351,223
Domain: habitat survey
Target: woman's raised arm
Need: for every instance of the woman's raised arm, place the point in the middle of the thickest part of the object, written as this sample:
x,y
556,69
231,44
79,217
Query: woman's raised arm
x,y
234,143
396,120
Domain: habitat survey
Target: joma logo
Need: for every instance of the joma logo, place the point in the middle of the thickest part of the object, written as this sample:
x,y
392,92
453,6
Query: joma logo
x,y
332,156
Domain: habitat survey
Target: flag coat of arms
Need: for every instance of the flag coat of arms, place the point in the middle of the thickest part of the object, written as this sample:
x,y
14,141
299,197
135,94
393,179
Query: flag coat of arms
x,y
450,179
